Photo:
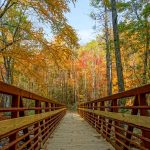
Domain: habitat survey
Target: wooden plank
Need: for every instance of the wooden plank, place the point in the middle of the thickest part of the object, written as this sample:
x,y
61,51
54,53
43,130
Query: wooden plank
x,y
129,93
143,121
75,134
7,126
12,90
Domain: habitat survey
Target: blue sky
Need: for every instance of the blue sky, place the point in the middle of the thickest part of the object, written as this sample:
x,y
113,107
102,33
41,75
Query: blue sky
x,y
79,19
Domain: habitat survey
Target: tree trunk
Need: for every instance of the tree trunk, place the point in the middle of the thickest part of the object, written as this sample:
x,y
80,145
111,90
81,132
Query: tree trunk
x,y
117,47
108,56
66,87
74,85
8,77
85,86
146,53
9,66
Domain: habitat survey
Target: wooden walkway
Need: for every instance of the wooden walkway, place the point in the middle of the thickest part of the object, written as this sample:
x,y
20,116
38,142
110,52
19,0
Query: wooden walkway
x,y
24,131
74,133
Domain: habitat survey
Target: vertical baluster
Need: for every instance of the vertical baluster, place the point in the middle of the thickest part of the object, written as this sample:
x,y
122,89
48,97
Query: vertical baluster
x,y
115,103
87,105
26,130
130,128
109,126
99,120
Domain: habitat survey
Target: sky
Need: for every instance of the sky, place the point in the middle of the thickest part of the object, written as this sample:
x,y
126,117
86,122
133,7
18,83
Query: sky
x,y
80,20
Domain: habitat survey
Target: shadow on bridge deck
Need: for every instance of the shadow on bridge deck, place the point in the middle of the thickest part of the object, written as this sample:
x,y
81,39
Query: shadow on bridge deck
x,y
74,133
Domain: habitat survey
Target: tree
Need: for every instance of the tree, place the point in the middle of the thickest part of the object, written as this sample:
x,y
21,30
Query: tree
x,y
17,30
108,55
117,47
50,12
135,24
24,48
103,15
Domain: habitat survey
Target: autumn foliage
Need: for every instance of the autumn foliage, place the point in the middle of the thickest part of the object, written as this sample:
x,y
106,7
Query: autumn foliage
x,y
55,66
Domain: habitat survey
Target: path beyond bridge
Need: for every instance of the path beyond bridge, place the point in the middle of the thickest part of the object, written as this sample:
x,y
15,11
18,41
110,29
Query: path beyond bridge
x,y
74,133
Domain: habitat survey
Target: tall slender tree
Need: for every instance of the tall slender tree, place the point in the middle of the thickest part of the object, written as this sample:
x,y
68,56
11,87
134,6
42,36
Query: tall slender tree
x,y
103,15
119,67
108,55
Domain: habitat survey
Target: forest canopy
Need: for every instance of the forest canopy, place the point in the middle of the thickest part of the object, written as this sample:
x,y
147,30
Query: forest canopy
x,y
58,67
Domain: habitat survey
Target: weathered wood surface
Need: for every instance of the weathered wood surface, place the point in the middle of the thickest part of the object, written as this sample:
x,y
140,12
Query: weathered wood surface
x,y
142,121
74,133
9,125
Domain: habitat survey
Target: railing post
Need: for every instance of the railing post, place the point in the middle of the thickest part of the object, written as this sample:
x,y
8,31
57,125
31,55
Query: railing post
x,y
103,124
90,114
144,112
37,125
86,113
15,103
109,126
42,124
46,120
85,107
99,120
95,116
50,119
52,107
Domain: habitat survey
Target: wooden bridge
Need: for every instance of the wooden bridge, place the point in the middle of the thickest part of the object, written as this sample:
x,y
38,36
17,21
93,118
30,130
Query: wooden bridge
x,y
117,127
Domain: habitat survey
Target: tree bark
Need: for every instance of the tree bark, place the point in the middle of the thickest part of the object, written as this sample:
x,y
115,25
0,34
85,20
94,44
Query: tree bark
x,y
108,56
146,53
117,47
85,86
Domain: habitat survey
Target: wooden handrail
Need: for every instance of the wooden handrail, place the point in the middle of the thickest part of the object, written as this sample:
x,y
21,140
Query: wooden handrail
x,y
129,93
125,127
24,130
12,90
9,125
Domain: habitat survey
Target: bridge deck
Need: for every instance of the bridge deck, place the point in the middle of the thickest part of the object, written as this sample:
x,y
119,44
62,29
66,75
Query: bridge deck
x,y
74,133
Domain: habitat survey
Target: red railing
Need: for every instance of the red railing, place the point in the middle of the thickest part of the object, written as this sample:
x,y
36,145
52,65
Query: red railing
x,y
27,126
124,126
